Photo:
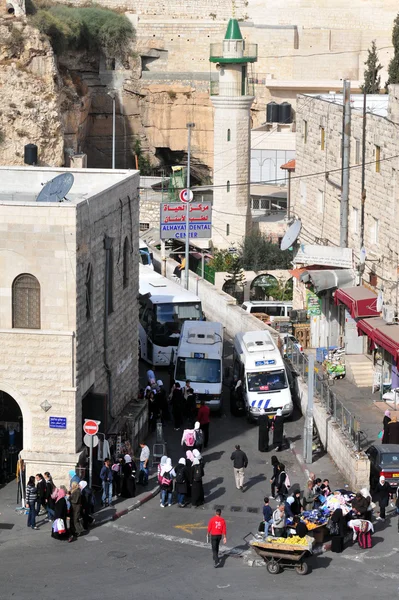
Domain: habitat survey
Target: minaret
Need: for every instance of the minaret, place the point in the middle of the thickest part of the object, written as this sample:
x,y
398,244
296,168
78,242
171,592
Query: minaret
x,y
232,101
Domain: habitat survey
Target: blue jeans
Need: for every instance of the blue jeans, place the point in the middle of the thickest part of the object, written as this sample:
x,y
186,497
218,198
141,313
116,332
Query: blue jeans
x,y
32,515
50,513
267,525
107,492
166,495
180,498
145,470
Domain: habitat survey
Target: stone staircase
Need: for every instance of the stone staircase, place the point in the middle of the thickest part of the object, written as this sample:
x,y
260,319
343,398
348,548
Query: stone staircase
x,y
359,370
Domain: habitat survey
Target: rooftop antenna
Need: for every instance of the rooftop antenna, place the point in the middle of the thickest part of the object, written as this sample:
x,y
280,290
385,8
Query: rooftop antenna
x,y
56,189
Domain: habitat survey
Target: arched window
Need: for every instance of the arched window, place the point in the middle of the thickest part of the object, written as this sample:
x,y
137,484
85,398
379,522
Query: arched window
x,y
89,291
228,186
26,302
126,262
228,135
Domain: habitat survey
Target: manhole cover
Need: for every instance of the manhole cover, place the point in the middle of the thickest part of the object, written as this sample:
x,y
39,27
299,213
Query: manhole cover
x,y
116,554
236,508
6,525
252,509
218,506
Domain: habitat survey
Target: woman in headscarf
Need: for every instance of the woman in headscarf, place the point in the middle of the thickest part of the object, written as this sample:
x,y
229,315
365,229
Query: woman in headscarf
x,y
189,468
167,474
296,506
362,529
263,432
273,480
309,496
181,482
161,464
385,431
337,530
60,512
383,493
393,431
287,508
198,455
199,436
76,503
359,506
278,430
281,486
73,477
129,477
188,439
197,489
87,504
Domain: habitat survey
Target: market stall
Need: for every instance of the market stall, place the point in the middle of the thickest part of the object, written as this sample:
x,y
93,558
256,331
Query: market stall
x,y
287,553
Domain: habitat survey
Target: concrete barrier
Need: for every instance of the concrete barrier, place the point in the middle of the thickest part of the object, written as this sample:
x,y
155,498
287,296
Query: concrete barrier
x,y
355,466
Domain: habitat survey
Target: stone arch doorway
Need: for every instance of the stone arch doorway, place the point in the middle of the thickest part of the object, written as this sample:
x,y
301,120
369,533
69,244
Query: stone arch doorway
x,y
261,287
11,435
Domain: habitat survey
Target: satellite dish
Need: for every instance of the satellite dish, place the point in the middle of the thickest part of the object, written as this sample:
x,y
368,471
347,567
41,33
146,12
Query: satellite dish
x,y
56,189
380,301
291,235
362,255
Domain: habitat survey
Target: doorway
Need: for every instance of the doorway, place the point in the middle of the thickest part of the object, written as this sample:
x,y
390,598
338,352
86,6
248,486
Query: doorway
x,y
11,437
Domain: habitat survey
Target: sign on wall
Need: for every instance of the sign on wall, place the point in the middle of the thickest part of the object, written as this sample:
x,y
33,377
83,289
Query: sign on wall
x,y
173,220
313,304
57,422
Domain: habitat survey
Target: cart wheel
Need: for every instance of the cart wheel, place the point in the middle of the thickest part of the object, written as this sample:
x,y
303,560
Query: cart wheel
x,y
273,568
302,569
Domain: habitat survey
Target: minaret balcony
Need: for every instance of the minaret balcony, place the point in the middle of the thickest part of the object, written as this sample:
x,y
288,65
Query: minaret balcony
x,y
233,52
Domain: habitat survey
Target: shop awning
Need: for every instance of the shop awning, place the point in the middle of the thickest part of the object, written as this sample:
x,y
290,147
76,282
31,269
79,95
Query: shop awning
x,y
368,326
383,335
360,301
328,279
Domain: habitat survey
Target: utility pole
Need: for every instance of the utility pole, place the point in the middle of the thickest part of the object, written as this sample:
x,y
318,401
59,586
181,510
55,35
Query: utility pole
x,y
189,126
363,199
346,133
163,243
308,433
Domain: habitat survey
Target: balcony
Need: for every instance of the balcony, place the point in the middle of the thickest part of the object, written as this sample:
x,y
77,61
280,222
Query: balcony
x,y
232,90
233,51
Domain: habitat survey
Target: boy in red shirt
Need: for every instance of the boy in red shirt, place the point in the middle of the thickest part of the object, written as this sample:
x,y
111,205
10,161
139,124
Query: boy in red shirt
x,y
217,529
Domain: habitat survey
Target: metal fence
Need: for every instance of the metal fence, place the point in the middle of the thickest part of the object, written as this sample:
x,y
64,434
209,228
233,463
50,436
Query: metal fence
x,y
323,390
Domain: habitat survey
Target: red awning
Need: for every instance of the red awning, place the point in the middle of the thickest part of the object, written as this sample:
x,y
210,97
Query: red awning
x,y
383,335
368,326
360,301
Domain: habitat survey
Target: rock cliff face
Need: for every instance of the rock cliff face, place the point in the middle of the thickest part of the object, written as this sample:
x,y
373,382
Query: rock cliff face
x,y
30,96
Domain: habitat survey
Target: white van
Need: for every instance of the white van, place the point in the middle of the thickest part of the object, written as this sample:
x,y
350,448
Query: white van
x,y
273,308
258,364
199,358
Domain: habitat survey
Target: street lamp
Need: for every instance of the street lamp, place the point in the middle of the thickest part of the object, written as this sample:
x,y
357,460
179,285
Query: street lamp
x,y
112,95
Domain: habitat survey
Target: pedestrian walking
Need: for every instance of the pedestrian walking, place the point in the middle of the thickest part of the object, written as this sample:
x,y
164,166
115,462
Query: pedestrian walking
x,y
296,506
240,463
129,477
282,484
87,507
59,529
152,411
385,432
117,476
263,432
49,490
106,476
383,493
144,464
73,477
197,488
273,480
181,482
278,430
167,475
204,418
393,431
189,468
267,516
30,502
177,406
188,439
191,406
199,436
162,401
76,528
41,494
216,531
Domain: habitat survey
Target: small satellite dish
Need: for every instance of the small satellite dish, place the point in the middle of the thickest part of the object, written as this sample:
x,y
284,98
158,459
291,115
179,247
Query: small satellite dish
x,y
291,235
56,189
380,301
363,255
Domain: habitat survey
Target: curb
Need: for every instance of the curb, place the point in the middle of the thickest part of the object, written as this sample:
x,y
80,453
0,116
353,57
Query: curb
x,y
299,457
125,511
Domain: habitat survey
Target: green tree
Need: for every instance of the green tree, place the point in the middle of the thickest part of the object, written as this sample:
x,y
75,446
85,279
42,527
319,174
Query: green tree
x,y
221,260
235,280
259,254
372,81
393,68
283,290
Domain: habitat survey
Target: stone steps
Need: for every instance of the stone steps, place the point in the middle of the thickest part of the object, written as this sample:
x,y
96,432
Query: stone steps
x,y
360,372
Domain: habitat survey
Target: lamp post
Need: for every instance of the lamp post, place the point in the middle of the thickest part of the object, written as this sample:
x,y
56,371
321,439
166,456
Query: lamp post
x,y
187,253
112,95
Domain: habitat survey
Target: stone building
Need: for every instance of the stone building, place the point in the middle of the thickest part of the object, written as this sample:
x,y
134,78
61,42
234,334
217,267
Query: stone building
x,y
68,309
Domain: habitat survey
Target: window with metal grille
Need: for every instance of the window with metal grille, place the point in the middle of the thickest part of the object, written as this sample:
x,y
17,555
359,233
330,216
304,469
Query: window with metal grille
x,y
89,291
144,226
26,302
126,261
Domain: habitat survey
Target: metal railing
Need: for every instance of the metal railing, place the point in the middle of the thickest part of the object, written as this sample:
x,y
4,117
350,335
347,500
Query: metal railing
x,y
220,88
346,421
234,50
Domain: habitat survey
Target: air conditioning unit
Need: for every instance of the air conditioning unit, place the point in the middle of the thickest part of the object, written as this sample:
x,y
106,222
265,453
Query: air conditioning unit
x,y
388,314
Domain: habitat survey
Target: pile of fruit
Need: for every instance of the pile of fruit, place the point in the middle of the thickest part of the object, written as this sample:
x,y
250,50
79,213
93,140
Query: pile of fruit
x,y
310,525
295,540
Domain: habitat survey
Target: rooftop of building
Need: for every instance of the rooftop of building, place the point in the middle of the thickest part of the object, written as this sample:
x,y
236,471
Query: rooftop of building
x,y
22,185
376,104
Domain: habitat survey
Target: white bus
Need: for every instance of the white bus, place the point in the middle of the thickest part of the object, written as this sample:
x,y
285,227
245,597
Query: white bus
x,y
258,364
199,358
164,306
145,254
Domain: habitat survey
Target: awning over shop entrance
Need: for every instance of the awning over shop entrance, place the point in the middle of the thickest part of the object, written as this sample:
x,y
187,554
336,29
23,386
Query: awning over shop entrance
x,y
383,335
360,301
328,279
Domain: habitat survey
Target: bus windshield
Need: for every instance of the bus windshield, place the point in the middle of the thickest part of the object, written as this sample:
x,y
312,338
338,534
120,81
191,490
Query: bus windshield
x,y
198,370
267,381
177,313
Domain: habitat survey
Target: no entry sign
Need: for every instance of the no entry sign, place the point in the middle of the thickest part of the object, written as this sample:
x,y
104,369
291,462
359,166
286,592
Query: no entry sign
x,y
90,427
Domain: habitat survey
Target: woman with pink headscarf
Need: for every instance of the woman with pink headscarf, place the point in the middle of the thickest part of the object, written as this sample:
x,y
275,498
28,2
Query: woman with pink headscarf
x,y
385,430
60,514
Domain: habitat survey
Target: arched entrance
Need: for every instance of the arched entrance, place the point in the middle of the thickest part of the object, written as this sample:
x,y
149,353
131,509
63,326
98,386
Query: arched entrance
x,y
261,287
11,436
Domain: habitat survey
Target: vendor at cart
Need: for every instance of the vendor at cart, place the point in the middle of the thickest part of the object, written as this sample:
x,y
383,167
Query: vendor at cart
x,y
299,527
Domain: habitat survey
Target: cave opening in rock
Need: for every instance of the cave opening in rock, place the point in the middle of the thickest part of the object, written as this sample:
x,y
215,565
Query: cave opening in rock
x,y
200,173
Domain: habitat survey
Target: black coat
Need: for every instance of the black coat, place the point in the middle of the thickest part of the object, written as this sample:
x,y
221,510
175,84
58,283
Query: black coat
x,y
385,437
393,432
181,488
263,433
382,493
60,510
278,430
129,481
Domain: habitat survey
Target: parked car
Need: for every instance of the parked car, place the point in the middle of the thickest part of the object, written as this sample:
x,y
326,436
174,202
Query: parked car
x,y
384,460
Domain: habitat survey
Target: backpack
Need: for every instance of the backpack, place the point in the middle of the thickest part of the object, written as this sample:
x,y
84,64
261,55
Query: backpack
x,y
287,481
180,477
166,478
199,437
190,438
197,475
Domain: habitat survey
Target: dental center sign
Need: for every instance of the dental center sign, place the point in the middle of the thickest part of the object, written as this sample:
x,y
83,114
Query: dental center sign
x,y
174,216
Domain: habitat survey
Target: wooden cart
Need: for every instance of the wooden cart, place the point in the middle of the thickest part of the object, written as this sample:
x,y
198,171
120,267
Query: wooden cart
x,y
287,556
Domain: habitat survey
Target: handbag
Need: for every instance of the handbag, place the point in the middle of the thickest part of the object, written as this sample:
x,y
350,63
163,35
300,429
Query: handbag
x,y
380,435
59,526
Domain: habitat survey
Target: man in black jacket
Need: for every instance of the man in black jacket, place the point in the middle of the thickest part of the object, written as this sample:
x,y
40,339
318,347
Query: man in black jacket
x,y
240,462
